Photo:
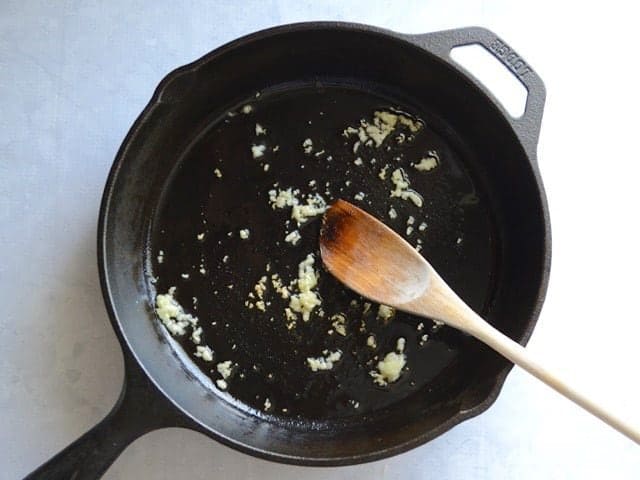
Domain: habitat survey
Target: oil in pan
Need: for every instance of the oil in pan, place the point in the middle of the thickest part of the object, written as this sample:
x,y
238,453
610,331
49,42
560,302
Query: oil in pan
x,y
237,231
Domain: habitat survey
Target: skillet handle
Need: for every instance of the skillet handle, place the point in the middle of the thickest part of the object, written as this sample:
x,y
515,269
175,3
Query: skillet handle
x,y
527,126
139,410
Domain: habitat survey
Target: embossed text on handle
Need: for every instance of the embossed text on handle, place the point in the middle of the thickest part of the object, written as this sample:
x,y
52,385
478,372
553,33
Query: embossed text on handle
x,y
510,58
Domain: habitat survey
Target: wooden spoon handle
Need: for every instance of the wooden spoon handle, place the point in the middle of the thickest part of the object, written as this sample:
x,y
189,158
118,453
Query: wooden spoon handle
x,y
520,356
440,302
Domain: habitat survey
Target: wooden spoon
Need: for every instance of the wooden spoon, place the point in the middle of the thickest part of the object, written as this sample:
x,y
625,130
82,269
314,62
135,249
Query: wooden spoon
x,y
373,260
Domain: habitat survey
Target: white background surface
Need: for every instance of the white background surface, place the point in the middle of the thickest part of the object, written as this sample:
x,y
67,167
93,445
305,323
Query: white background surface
x,y
73,77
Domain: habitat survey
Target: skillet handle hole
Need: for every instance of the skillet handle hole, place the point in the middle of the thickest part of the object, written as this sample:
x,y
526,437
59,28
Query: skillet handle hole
x,y
509,91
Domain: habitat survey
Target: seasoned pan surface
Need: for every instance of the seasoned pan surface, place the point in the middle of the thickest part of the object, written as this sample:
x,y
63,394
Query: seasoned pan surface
x,y
219,189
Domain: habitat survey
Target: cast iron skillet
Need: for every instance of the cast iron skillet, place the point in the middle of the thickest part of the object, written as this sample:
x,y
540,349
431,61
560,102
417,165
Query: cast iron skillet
x,y
488,235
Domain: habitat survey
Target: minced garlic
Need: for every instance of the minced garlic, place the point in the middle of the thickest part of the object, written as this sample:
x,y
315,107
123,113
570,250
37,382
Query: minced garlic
x,y
280,288
261,287
315,206
283,198
427,163
385,312
222,384
338,322
172,314
306,299
225,369
293,238
390,368
196,335
257,150
204,352
307,145
291,318
382,125
325,362
402,190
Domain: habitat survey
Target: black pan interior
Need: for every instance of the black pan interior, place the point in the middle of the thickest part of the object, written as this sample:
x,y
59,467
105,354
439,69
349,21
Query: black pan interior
x,y
485,234
221,268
